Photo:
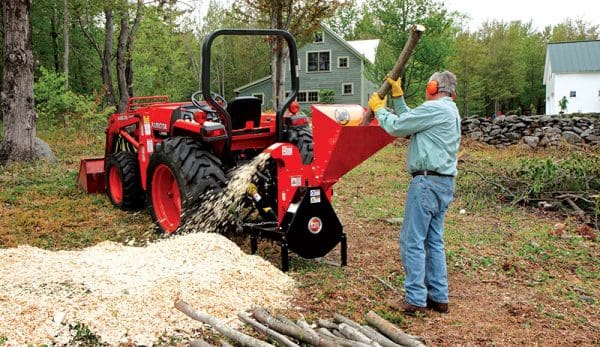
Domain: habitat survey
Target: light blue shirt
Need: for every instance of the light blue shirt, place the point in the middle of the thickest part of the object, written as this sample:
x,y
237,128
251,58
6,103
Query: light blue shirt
x,y
434,128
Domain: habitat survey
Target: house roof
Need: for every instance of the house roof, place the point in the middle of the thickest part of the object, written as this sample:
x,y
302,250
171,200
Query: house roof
x,y
252,83
573,57
368,48
363,49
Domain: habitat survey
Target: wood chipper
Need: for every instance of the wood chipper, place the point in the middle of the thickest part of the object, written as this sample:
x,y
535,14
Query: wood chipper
x,y
171,155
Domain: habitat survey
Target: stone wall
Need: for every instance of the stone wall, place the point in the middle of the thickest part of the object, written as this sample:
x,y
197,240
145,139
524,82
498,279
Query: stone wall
x,y
535,131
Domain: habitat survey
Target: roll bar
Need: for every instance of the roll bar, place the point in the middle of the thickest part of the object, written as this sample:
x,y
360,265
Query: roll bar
x,y
295,82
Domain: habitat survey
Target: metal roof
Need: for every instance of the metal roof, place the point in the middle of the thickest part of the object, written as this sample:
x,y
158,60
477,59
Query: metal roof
x,y
573,57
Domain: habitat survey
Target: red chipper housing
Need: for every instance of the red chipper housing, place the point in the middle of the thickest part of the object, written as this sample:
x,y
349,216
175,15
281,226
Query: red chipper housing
x,y
168,156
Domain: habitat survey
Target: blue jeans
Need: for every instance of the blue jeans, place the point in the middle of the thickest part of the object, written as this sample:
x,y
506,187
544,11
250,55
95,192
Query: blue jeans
x,y
421,239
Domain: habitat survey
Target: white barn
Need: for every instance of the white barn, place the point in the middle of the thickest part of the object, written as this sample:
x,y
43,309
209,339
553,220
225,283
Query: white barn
x,y
572,70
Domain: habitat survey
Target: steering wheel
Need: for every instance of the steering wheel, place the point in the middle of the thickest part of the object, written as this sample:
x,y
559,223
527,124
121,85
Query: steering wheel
x,y
197,97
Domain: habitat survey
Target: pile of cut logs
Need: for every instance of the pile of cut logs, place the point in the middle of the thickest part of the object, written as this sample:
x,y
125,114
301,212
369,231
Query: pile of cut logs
x,y
339,332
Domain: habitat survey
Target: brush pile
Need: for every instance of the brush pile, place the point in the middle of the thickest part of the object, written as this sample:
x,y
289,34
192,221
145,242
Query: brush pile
x,y
341,331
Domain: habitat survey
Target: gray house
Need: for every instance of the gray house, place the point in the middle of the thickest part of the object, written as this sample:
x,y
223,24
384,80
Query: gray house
x,y
329,62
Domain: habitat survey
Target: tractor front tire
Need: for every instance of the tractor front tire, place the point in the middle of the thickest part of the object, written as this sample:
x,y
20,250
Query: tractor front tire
x,y
302,138
124,185
180,172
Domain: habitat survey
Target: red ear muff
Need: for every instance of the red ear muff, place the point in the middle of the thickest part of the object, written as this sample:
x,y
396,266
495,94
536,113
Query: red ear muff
x,y
432,87
454,96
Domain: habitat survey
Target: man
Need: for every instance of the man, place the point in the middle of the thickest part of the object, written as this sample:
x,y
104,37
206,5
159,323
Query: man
x,y
434,130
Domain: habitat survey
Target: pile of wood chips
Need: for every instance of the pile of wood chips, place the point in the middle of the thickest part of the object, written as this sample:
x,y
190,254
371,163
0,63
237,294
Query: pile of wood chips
x,y
125,294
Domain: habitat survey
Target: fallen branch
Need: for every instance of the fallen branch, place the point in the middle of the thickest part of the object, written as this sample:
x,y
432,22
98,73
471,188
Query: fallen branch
x,y
325,333
367,331
385,283
391,331
354,334
264,329
205,318
340,340
328,324
286,320
200,343
291,330
578,210
306,327
378,337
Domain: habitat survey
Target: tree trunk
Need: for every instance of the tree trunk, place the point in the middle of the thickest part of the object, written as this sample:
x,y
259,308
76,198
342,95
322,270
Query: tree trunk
x,y
66,42
130,43
106,58
16,98
54,38
121,59
274,45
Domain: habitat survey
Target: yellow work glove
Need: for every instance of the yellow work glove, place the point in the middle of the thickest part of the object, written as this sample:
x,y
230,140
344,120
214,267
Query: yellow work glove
x,y
396,87
376,102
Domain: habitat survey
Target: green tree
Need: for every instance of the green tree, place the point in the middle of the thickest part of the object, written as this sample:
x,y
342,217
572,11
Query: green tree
x,y
501,67
392,22
533,53
345,20
299,17
467,50
572,30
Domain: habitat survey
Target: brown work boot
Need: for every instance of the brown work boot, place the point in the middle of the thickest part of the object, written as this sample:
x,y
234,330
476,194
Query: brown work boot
x,y
405,307
437,306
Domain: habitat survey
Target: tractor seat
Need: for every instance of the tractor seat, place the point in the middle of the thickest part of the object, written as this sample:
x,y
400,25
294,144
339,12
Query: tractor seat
x,y
243,109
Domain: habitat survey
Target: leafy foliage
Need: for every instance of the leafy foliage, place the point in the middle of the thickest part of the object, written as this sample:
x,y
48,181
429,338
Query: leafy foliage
x,y
577,173
327,96
56,106
536,179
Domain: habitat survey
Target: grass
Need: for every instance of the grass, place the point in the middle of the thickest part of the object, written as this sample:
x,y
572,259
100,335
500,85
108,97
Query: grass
x,y
514,280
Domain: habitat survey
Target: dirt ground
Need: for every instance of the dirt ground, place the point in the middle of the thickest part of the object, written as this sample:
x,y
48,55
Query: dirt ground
x,y
491,310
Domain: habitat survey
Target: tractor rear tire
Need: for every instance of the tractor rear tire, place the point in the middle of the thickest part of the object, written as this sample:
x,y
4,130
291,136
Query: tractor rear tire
x,y
302,138
180,172
124,185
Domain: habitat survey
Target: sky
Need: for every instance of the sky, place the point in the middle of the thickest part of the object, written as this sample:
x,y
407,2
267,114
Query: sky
x,y
541,12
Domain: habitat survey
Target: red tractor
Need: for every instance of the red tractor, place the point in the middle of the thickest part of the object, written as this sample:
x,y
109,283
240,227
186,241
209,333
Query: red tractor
x,y
169,155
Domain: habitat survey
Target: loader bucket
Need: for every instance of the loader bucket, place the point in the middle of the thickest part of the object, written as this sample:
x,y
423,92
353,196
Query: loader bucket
x,y
340,148
91,175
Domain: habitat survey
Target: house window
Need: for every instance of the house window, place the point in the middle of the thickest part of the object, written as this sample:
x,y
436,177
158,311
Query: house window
x,y
261,96
319,37
572,93
313,96
343,62
301,97
318,61
347,89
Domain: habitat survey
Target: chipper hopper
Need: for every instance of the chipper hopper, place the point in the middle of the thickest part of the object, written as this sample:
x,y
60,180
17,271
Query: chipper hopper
x,y
306,222
170,156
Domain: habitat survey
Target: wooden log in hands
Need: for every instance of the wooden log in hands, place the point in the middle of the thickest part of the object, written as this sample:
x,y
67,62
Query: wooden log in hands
x,y
415,34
